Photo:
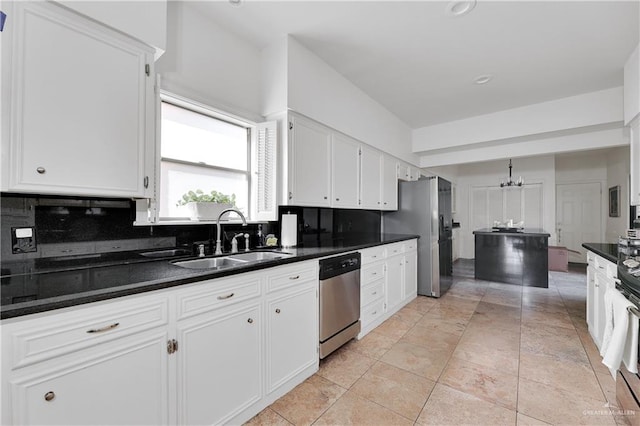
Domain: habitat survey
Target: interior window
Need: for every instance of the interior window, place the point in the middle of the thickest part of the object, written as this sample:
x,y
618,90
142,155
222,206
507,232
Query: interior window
x,y
200,151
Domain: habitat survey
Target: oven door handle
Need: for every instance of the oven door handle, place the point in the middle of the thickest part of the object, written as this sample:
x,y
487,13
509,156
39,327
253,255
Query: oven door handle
x,y
634,311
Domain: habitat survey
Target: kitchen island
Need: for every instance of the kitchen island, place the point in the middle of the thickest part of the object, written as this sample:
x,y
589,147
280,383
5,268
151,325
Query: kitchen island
x,y
513,256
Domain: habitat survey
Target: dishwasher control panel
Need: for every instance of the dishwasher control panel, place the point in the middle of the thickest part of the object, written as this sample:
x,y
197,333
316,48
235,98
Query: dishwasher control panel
x,y
339,265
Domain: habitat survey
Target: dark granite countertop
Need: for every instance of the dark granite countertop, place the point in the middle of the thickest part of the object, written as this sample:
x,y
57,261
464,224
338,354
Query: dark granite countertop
x,y
31,287
535,232
606,250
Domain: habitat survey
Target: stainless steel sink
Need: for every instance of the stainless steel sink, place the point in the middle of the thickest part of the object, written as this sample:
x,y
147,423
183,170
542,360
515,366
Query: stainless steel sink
x,y
259,256
210,263
166,253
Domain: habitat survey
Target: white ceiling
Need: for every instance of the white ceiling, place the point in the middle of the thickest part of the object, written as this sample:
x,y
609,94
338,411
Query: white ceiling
x,y
420,63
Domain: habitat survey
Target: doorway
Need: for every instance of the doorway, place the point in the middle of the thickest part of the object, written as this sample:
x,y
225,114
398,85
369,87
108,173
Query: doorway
x,y
578,217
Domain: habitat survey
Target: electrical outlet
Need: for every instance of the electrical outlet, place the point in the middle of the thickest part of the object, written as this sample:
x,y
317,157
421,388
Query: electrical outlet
x,y
23,240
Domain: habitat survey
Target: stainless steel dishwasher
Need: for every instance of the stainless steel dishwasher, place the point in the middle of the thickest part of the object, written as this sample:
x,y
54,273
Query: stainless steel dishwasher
x,y
339,301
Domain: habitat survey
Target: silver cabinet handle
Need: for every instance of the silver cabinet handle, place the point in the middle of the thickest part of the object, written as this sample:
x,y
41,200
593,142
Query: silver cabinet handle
x,y
326,198
41,170
294,277
66,251
633,310
49,396
374,293
374,273
228,296
277,310
103,329
374,312
250,320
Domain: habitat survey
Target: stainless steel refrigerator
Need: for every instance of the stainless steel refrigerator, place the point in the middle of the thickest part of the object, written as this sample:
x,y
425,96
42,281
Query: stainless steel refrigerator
x,y
424,208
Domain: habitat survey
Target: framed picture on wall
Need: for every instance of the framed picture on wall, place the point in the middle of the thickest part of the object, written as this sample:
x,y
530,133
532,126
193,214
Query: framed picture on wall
x,y
614,201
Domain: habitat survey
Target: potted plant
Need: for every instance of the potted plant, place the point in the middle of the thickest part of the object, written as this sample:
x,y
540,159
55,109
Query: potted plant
x,y
204,206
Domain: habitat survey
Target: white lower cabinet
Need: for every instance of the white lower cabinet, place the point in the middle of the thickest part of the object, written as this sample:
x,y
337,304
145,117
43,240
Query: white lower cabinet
x,y
215,351
601,276
219,364
388,281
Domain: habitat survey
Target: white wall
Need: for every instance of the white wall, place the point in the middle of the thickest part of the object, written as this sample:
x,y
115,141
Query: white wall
x,y
319,92
144,20
632,86
210,65
618,169
539,169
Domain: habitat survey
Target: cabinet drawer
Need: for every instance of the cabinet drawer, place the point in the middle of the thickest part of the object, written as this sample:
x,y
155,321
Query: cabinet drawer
x,y
591,257
394,249
291,275
371,292
606,267
372,254
371,273
411,245
62,333
218,293
371,313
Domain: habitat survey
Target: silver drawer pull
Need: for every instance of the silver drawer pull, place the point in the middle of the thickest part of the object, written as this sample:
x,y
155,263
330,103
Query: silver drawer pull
x,y
250,320
41,170
373,257
374,312
294,277
374,273
228,296
66,251
103,329
374,293
277,310
49,396
633,310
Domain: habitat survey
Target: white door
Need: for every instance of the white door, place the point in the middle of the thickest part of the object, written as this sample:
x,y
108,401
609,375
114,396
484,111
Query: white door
x,y
345,171
370,170
310,177
578,217
219,365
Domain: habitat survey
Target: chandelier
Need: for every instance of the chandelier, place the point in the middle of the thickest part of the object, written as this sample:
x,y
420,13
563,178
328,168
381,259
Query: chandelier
x,y
510,181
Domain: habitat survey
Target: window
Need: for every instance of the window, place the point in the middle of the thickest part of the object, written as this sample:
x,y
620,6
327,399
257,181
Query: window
x,y
203,149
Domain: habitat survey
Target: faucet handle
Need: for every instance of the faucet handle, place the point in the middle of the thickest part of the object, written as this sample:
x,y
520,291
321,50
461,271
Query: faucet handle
x,y
234,243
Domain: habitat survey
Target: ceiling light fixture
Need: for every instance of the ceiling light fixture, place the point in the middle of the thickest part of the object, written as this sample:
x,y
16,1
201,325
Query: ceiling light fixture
x,y
510,181
483,79
460,8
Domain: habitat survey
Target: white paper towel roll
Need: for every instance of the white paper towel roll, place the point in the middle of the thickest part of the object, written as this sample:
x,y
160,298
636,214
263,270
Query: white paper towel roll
x,y
289,232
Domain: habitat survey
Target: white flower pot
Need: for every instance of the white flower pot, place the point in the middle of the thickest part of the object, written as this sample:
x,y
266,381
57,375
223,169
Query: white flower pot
x,y
206,211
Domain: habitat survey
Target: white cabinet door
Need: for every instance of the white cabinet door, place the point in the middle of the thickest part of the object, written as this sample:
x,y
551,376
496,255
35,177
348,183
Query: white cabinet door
x,y
403,171
591,288
81,106
599,308
389,184
345,171
414,173
370,180
635,163
219,364
120,383
394,281
410,275
292,334
310,163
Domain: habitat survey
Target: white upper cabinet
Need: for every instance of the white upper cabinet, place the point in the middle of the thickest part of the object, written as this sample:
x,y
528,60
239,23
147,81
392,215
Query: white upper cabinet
x,y
345,171
309,163
370,181
81,106
632,86
389,184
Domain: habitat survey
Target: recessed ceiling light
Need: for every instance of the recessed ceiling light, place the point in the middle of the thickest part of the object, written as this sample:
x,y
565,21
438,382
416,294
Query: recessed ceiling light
x,y
459,7
483,79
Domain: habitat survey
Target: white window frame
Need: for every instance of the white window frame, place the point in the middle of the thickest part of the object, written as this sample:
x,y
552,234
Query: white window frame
x,y
262,137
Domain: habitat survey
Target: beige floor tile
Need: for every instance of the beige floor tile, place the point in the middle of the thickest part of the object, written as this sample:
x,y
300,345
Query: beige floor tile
x,y
522,420
394,388
408,315
560,343
307,401
267,417
393,328
557,319
558,406
430,338
490,384
344,367
503,360
448,313
417,359
353,410
481,334
570,376
447,406
422,303
608,386
373,345
442,325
